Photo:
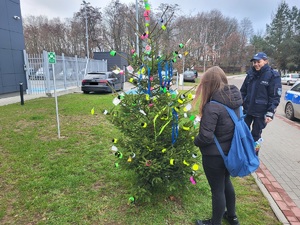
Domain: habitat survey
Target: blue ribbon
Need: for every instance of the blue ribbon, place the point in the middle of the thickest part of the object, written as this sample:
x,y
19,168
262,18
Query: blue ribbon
x,y
170,73
141,76
166,73
159,73
174,126
149,82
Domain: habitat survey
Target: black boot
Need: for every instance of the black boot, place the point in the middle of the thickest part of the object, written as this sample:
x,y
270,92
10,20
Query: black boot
x,y
204,222
232,220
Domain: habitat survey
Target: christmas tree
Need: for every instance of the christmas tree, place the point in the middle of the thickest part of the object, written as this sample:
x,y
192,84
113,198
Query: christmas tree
x,y
156,120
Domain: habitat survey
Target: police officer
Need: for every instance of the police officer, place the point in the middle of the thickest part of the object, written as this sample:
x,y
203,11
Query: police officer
x,y
261,91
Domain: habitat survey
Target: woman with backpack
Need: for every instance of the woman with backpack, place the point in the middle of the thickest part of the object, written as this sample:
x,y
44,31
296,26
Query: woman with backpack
x,y
216,121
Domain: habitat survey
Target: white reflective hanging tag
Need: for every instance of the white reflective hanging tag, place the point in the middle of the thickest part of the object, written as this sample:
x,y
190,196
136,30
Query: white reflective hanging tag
x,y
116,101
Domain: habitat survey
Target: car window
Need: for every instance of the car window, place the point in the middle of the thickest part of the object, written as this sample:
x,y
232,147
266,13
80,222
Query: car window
x,y
188,72
111,75
118,76
296,88
96,75
295,75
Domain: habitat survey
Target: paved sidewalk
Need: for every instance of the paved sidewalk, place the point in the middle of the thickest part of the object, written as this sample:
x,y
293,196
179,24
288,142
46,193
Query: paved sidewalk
x,y
280,168
279,174
15,97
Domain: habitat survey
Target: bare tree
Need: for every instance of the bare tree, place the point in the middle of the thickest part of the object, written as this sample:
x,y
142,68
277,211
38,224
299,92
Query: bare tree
x,y
94,19
114,24
214,38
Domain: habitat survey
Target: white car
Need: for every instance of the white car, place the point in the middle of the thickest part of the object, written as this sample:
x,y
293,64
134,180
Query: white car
x,y
70,74
290,78
41,74
292,102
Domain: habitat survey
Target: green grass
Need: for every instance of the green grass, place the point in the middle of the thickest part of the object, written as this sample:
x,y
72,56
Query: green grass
x,y
72,180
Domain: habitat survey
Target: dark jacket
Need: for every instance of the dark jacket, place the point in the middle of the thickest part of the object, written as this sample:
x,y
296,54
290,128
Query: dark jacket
x,y
215,120
261,92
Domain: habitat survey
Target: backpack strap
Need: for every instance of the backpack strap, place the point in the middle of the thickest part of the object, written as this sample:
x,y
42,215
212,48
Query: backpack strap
x,y
231,112
219,147
235,120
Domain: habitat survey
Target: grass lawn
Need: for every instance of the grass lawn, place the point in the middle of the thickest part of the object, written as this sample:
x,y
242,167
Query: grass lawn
x,y
72,180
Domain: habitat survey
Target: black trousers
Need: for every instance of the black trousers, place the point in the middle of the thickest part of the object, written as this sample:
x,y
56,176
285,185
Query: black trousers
x,y
256,125
223,194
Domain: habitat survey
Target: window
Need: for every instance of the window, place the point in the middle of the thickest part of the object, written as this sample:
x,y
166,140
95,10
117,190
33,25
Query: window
x,y
295,76
111,75
296,88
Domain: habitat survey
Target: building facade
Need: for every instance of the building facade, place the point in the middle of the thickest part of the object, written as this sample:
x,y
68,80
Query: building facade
x,y
118,60
12,44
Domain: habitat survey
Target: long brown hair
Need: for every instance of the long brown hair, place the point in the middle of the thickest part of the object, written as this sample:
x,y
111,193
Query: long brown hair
x,y
211,81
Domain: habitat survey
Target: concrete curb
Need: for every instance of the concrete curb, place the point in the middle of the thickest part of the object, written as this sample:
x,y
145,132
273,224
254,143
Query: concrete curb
x,y
281,217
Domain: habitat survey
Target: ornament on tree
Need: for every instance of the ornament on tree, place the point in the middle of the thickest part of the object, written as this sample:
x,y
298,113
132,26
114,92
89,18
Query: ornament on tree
x,y
156,121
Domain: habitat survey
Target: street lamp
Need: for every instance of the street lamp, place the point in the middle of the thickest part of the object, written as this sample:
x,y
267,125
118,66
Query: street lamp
x,y
86,29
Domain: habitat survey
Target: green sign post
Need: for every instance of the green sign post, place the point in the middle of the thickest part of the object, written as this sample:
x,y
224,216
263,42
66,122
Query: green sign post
x,y
51,57
52,60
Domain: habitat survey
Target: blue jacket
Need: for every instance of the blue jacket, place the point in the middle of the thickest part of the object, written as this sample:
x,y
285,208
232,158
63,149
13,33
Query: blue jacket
x,y
261,92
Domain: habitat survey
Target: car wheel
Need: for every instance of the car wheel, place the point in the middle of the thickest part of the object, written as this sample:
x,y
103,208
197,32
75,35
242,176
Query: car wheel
x,y
86,92
289,111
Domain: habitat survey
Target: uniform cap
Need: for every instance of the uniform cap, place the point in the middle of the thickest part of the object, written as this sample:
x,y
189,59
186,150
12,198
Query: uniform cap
x,y
259,56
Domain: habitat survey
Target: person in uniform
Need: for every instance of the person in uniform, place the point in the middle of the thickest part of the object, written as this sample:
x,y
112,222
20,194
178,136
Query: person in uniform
x,y
261,92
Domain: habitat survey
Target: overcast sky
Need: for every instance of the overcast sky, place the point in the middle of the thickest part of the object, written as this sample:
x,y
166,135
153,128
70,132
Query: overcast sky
x,y
258,11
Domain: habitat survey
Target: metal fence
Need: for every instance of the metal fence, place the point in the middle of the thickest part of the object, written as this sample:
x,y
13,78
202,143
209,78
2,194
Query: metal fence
x,y
67,71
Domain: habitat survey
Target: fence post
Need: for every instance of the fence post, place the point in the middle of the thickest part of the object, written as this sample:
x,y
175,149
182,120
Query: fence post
x,y
77,70
86,66
46,73
27,71
64,70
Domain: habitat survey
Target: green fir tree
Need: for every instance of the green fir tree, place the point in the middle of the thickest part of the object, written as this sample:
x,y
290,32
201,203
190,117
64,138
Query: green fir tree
x,y
156,120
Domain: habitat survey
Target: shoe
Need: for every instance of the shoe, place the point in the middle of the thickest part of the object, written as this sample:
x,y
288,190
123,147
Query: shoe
x,y
231,220
203,222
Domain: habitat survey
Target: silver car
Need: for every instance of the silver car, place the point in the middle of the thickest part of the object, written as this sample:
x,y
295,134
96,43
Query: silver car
x,y
292,102
189,75
290,78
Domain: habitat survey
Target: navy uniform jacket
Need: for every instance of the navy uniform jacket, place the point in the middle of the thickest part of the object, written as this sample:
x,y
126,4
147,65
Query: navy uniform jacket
x,y
261,92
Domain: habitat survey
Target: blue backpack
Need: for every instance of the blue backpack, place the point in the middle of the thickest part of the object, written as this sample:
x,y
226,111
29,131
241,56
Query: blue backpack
x,y
241,159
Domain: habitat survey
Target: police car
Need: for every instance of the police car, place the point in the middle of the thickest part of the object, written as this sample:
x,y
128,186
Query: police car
x,y
292,102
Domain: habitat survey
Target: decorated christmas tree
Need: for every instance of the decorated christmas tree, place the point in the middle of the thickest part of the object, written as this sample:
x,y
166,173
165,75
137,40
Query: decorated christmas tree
x,y
156,120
